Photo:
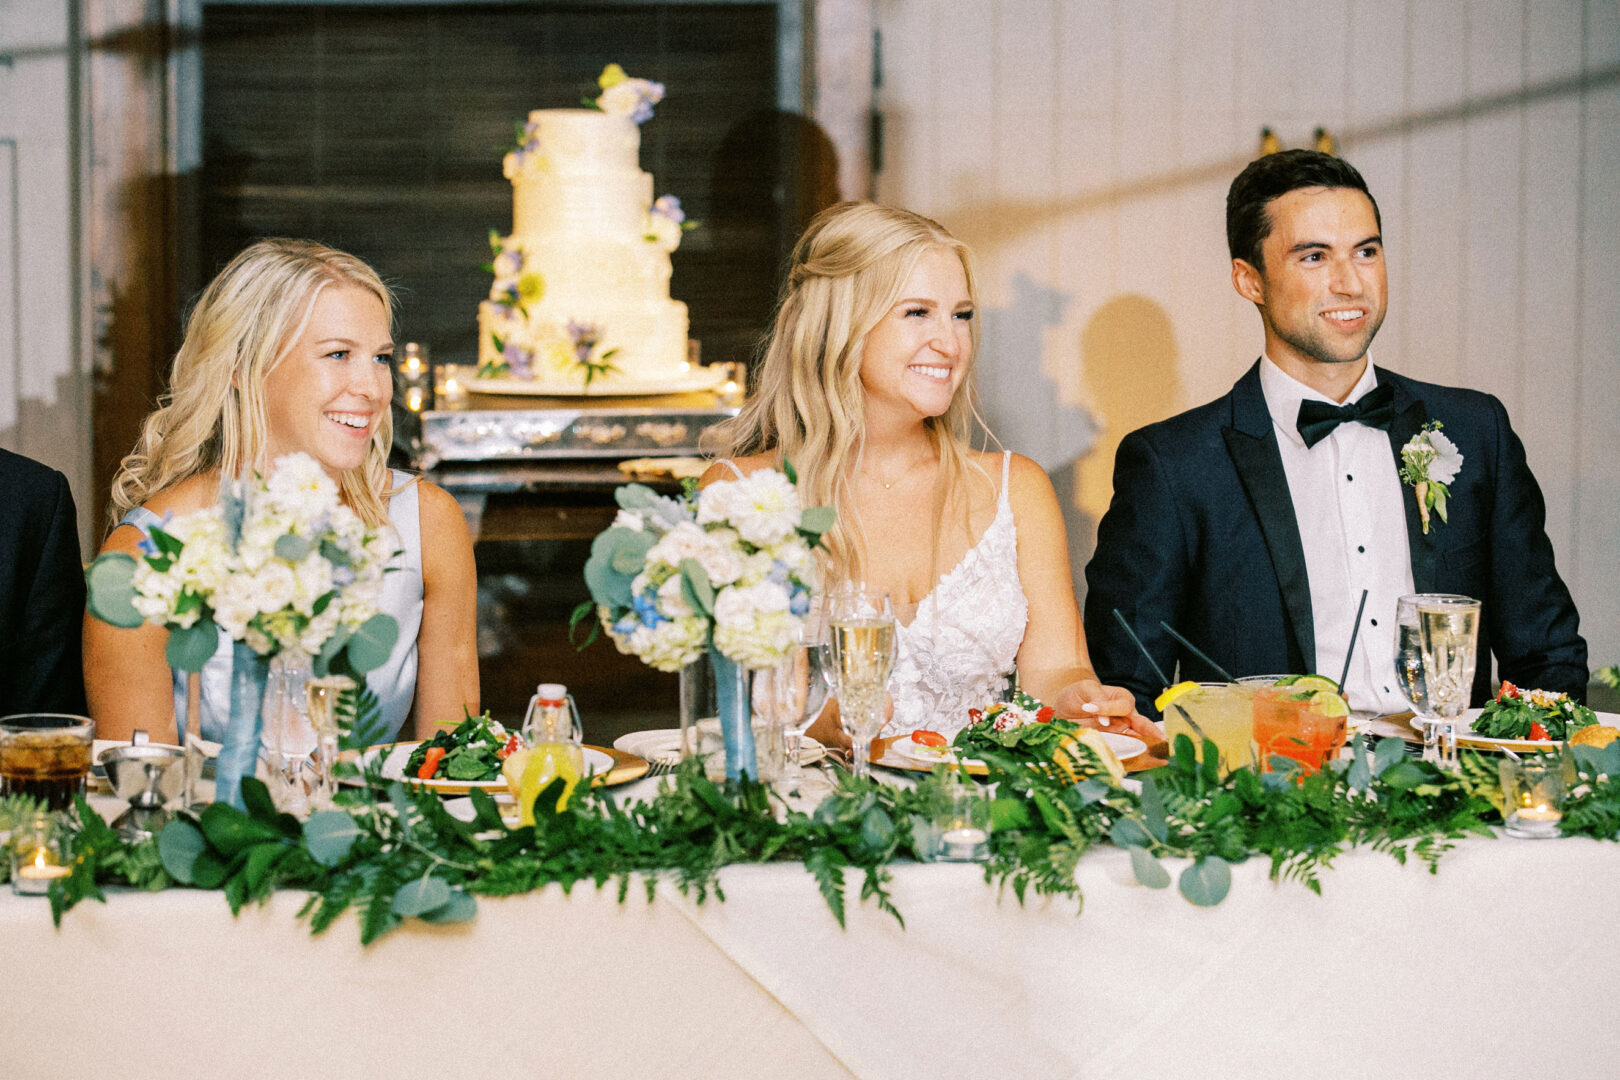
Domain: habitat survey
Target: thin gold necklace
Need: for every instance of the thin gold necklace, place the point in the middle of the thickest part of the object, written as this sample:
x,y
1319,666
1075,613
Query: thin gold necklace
x,y
887,484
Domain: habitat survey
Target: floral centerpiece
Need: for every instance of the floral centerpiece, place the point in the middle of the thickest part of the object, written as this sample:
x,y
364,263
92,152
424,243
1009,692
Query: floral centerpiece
x,y
278,564
727,572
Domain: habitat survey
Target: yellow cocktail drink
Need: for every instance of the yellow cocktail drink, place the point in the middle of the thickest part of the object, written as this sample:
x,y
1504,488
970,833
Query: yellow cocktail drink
x,y
1220,712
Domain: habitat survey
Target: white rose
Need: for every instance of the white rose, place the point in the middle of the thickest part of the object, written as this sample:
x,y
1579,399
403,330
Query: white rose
x,y
1447,461
765,509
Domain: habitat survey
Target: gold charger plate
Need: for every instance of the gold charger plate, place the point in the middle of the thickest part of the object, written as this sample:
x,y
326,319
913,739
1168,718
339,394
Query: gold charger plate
x,y
622,768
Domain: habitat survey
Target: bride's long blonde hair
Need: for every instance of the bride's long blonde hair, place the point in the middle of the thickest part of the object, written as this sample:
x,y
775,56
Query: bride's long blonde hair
x,y
847,271
213,414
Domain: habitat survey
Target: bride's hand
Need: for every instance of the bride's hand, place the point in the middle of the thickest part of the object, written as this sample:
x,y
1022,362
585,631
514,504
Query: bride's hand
x,y
1108,708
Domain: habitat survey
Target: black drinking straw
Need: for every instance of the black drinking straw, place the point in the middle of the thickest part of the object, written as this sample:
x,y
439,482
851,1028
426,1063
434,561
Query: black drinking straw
x,y
1354,630
1157,670
1196,651
1164,680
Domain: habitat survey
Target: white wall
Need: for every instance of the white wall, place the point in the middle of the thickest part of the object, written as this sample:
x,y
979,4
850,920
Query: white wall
x,y
1084,148
44,398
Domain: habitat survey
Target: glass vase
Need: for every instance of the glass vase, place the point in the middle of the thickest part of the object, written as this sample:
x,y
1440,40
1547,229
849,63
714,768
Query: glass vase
x,y
716,688
289,739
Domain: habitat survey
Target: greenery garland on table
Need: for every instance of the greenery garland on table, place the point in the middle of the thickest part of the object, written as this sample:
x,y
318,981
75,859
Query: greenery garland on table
x,y
395,853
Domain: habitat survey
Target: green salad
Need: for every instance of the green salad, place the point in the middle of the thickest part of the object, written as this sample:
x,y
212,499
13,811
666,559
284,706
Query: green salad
x,y
471,751
1532,714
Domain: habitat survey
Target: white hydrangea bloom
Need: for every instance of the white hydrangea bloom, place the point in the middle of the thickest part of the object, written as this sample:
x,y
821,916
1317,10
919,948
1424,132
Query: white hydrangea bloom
x,y
1447,460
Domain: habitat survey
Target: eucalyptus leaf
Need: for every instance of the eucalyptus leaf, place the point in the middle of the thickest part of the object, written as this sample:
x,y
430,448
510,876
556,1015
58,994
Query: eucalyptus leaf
x,y
695,586
1404,775
293,547
461,907
1360,775
817,520
608,587
322,663
1128,832
630,550
877,829
790,472
420,895
372,644
1387,752
634,496
179,844
111,584
1092,790
191,647
329,835
1149,871
1207,881
1152,803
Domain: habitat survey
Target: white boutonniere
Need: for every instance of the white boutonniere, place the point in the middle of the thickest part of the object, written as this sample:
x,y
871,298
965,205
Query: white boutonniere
x,y
1429,462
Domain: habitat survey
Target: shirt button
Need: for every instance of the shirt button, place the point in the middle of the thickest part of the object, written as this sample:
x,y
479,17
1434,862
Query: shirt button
x,y
1386,689
1347,476
1361,548
1375,622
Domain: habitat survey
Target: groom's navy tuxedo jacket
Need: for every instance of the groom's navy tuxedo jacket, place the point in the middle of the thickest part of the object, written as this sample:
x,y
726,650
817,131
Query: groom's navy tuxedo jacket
x,y
1201,534
41,591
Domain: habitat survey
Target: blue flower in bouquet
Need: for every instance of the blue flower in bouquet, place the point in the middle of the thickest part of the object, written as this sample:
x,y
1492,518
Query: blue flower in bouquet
x,y
645,606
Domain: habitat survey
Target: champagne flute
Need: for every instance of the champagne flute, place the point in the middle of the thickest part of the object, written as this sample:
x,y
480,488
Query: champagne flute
x,y
1448,633
863,644
1409,668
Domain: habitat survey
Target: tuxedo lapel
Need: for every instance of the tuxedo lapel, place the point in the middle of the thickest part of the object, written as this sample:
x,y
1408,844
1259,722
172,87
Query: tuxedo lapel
x,y
1410,416
1253,447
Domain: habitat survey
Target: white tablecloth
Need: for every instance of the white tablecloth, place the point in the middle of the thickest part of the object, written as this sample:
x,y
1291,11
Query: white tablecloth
x,y
1505,964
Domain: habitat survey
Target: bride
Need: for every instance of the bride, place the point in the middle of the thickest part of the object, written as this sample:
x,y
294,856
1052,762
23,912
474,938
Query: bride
x,y
865,389
288,350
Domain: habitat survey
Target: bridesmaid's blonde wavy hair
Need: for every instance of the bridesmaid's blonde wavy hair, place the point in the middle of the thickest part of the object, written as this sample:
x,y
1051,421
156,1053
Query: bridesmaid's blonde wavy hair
x,y
213,414
847,271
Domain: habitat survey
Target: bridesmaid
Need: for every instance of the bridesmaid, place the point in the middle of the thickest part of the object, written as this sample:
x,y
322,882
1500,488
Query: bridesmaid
x,y
288,350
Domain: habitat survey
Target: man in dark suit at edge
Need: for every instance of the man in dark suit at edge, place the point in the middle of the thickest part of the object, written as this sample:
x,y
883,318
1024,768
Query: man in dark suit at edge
x,y
41,591
1253,523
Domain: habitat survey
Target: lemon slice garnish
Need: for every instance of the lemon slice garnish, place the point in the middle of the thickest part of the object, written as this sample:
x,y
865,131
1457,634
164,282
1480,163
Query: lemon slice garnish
x,y
1172,693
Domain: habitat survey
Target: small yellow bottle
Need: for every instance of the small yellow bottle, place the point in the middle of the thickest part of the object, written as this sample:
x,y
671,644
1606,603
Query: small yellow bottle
x,y
552,730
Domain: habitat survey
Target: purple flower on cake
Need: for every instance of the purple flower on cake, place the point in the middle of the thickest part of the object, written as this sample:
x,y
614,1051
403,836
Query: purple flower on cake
x,y
668,206
528,146
624,96
519,361
586,337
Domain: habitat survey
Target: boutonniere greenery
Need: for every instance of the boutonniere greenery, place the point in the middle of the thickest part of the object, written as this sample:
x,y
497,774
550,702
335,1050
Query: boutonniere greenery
x,y
1429,462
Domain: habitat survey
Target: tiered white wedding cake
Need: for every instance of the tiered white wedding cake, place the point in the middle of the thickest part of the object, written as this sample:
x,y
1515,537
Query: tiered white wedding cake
x,y
581,297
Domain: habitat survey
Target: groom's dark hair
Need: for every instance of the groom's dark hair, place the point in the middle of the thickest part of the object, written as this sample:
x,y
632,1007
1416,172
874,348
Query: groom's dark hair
x,y
1248,223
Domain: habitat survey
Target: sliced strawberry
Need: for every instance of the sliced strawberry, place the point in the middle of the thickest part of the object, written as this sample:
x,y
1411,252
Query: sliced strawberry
x,y
1539,733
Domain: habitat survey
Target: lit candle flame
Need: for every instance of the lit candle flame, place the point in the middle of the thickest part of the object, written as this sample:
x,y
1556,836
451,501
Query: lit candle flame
x,y
414,398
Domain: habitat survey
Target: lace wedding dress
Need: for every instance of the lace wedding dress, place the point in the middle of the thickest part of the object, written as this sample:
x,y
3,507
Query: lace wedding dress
x,y
959,651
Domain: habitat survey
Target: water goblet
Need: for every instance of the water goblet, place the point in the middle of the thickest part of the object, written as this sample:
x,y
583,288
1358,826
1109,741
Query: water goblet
x,y
1448,634
793,693
863,645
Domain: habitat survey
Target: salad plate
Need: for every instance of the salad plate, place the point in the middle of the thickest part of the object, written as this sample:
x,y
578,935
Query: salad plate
x,y
601,763
916,755
1467,736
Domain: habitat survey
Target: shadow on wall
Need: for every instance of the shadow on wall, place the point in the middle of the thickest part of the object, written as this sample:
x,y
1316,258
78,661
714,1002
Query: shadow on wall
x,y
1132,375
1027,401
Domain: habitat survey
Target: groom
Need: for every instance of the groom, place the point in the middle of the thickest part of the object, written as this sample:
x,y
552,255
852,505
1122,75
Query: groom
x,y
1252,524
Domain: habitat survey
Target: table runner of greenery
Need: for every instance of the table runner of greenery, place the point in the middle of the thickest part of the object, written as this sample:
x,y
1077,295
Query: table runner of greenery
x,y
394,853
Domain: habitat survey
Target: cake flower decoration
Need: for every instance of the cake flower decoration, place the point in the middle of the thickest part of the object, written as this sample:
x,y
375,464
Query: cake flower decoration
x,y
586,337
624,96
528,146
665,223
1429,462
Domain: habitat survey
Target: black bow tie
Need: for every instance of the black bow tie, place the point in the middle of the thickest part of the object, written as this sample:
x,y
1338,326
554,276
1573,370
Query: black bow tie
x,y
1317,419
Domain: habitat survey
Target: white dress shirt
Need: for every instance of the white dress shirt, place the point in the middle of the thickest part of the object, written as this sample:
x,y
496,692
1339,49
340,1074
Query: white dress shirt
x,y
1350,506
